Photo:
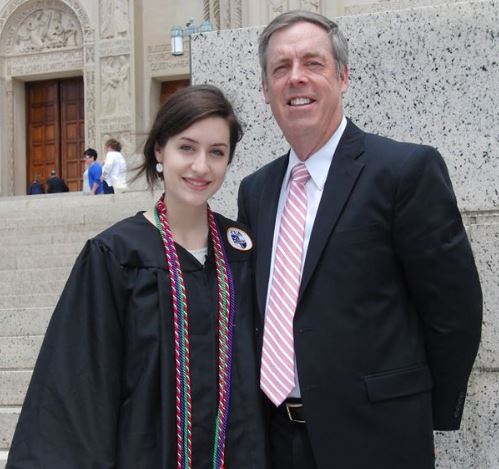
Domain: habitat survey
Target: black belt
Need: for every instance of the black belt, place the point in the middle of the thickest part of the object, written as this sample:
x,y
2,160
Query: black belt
x,y
294,410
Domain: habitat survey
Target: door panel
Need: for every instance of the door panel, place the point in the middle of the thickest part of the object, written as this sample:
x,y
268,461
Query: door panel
x,y
42,128
72,132
55,130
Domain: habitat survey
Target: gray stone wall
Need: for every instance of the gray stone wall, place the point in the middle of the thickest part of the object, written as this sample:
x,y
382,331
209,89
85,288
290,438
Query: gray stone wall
x,y
426,75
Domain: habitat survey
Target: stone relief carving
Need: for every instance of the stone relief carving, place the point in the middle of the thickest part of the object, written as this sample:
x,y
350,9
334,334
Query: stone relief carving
x,y
10,134
310,5
90,108
160,61
115,78
115,124
51,62
90,56
114,19
123,136
224,14
277,7
114,47
43,24
47,29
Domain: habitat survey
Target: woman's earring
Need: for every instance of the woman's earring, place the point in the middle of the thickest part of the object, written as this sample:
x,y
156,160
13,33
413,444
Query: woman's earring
x,y
159,167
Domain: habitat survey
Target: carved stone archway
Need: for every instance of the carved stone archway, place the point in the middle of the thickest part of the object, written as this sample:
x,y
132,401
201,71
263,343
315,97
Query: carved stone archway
x,y
40,38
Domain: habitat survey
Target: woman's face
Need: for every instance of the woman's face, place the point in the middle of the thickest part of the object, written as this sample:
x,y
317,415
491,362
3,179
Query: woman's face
x,y
195,161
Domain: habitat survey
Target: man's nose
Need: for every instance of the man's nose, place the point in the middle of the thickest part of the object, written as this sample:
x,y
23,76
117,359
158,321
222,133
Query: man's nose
x,y
297,74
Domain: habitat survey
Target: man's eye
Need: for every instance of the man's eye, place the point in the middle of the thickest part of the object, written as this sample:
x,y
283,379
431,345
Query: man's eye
x,y
279,68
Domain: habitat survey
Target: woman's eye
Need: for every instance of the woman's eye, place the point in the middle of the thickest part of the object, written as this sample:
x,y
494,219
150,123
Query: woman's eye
x,y
218,152
186,147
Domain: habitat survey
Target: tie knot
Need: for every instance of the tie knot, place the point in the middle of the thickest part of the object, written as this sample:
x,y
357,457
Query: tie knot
x,y
300,174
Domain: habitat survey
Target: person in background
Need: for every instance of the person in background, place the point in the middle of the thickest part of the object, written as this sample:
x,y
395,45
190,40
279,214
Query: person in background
x,y
94,171
36,187
149,360
114,168
366,282
56,184
86,186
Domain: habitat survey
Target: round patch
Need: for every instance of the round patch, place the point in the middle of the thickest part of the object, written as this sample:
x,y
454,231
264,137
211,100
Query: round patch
x,y
239,239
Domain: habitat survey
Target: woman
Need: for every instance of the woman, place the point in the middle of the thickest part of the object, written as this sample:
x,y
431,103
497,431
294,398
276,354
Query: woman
x,y
149,359
114,169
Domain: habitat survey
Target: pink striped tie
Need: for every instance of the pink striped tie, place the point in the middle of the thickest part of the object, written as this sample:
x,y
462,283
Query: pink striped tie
x,y
277,377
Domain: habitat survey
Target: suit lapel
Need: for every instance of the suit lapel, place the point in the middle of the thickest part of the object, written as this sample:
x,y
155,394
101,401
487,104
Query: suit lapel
x,y
343,174
267,210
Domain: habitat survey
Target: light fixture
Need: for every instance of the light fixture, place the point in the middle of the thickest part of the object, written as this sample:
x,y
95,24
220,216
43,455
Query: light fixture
x,y
177,34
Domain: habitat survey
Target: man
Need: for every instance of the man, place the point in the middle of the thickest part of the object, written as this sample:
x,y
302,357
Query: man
x,y
94,171
56,184
365,279
36,186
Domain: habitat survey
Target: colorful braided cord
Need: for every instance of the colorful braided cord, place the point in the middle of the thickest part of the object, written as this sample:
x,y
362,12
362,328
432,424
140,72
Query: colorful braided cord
x,y
226,313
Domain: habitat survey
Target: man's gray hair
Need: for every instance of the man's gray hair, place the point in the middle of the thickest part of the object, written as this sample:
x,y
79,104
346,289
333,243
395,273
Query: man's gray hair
x,y
339,45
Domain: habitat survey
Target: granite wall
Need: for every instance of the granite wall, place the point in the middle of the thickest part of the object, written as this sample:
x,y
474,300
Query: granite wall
x,y
427,75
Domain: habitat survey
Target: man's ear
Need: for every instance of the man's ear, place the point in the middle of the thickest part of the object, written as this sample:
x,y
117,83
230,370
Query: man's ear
x,y
344,79
265,90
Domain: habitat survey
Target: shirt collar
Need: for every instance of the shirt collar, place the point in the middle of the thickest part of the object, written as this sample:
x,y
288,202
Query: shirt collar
x,y
318,163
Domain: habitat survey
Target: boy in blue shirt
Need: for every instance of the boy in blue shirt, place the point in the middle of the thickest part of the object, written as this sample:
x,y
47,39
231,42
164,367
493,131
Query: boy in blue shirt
x,y
94,171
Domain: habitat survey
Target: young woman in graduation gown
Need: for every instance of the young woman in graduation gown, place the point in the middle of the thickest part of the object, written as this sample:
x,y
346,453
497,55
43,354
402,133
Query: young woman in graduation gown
x,y
149,359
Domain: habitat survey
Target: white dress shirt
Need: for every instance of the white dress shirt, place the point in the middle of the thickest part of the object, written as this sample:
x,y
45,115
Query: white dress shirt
x,y
318,167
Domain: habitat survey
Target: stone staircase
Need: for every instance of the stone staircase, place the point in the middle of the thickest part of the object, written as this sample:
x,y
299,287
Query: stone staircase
x,y
40,237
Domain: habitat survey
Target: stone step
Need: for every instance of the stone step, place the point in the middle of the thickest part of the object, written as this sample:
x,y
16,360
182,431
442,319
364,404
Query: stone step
x,y
70,247
36,261
13,386
108,216
67,229
8,421
43,284
3,458
20,207
34,275
14,240
28,300
19,353
38,257
18,322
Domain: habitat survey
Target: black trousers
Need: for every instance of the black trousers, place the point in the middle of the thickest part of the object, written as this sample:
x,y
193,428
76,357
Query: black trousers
x,y
289,442
107,188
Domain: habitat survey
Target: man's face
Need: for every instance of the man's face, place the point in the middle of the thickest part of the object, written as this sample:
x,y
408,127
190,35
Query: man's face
x,y
301,84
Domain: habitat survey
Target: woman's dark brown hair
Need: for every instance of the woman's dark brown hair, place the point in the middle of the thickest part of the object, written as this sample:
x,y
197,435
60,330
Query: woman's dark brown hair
x,y
182,109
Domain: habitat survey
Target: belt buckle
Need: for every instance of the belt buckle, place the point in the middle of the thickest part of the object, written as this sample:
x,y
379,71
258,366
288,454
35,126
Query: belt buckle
x,y
289,406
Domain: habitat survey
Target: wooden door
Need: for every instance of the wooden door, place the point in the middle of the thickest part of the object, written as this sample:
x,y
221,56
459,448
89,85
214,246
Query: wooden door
x,y
72,132
42,129
169,87
55,130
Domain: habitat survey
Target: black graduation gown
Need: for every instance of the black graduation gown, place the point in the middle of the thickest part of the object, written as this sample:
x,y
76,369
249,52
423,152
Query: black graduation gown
x,y
103,390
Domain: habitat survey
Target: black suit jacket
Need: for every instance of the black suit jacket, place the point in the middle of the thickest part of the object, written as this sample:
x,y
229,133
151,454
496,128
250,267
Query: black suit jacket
x,y
388,319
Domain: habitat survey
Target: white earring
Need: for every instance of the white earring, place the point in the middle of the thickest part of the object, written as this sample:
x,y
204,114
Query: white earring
x,y
159,167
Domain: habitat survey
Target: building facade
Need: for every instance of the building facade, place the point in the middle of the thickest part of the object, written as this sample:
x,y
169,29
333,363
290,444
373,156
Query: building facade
x,y
75,72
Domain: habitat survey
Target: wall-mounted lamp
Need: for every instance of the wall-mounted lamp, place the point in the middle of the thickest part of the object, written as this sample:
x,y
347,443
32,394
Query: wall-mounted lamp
x,y
177,34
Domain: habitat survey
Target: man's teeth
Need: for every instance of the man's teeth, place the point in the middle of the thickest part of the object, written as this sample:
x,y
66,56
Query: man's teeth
x,y
300,101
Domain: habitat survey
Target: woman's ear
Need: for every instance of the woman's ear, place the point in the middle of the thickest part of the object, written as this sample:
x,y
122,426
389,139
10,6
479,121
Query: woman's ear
x,y
158,153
